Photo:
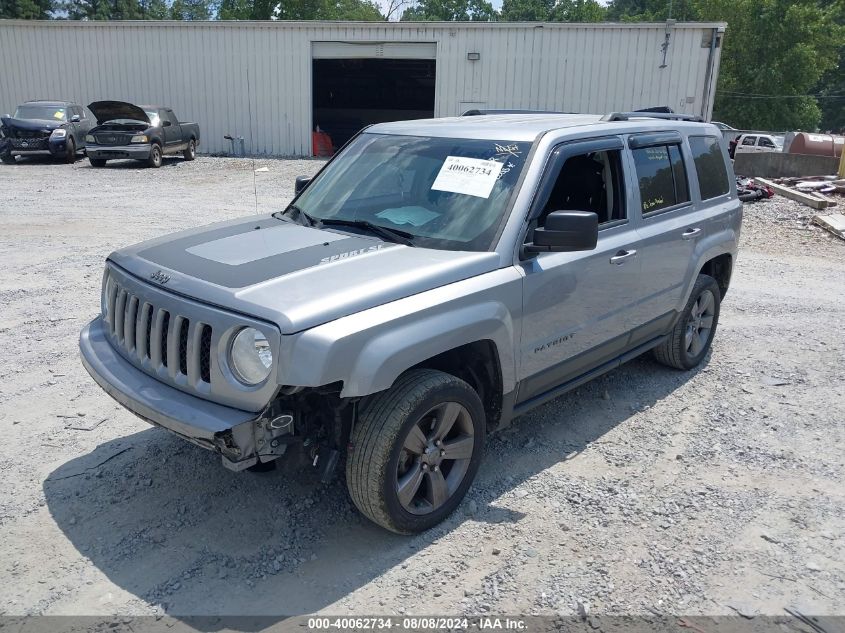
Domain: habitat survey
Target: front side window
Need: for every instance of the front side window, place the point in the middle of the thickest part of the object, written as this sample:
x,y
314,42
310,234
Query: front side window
x,y
41,112
589,182
764,142
662,177
709,166
447,193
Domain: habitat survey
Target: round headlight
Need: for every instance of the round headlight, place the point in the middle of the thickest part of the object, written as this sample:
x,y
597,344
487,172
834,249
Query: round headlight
x,y
250,357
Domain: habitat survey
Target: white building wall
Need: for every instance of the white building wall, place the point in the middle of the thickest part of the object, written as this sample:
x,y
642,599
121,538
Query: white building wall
x,y
253,79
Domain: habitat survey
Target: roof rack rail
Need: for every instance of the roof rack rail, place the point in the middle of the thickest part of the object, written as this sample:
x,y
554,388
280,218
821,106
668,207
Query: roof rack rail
x,y
477,112
625,116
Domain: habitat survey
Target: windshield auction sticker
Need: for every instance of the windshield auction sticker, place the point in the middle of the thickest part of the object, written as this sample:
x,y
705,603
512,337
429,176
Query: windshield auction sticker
x,y
469,176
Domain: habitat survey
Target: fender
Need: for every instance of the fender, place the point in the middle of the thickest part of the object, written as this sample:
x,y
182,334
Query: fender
x,y
718,243
367,351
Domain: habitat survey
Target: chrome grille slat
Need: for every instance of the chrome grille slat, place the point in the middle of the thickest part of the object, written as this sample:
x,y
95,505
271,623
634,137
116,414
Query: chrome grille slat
x,y
141,331
155,338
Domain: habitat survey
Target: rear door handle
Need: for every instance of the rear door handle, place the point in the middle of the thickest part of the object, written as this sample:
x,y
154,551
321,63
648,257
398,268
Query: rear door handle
x,y
622,256
690,233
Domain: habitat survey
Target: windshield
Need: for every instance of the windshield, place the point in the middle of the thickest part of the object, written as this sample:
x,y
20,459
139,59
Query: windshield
x,y
40,112
446,193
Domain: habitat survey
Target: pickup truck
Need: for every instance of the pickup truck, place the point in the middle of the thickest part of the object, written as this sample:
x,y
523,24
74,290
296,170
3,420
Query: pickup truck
x,y
434,280
144,133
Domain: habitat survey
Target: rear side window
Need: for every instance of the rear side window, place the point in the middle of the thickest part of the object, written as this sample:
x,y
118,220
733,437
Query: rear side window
x,y
709,166
749,140
662,177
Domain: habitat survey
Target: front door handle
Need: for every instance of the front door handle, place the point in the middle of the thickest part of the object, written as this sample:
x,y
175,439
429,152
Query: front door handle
x,y
690,233
622,256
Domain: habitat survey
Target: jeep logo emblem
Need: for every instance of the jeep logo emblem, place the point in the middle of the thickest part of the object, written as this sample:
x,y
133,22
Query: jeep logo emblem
x,y
160,277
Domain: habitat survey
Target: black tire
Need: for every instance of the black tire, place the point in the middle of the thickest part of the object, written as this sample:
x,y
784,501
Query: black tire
x,y
97,162
7,159
378,450
156,157
70,151
191,152
688,343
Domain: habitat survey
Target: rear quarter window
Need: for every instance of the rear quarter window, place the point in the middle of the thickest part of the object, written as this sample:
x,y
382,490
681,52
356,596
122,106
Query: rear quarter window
x,y
662,177
709,166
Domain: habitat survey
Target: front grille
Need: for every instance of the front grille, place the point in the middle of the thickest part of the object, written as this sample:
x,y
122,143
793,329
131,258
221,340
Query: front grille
x,y
112,138
34,134
30,143
156,339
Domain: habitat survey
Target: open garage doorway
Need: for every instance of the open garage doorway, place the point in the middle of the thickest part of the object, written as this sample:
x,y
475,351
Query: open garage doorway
x,y
353,92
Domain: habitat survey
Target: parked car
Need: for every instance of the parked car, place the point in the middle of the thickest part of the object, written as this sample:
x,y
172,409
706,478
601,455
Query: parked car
x,y
44,128
436,279
144,133
747,143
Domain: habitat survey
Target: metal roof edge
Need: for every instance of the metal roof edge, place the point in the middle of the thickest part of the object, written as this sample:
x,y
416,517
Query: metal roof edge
x,y
376,24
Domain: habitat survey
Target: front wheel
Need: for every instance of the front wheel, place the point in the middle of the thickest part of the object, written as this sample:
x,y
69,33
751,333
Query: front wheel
x,y
7,159
415,451
692,335
70,150
155,156
191,152
97,162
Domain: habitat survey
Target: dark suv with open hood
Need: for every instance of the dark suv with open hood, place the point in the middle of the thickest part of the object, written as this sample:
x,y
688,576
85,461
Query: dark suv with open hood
x,y
47,128
146,133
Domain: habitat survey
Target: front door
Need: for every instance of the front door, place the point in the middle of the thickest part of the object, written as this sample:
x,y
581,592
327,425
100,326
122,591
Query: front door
x,y
577,307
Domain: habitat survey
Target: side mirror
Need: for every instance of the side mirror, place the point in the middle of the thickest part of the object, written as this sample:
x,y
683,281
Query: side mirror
x,y
74,118
566,231
166,123
300,184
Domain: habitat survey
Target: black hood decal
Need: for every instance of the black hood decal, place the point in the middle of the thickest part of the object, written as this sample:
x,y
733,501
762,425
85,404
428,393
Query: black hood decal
x,y
195,256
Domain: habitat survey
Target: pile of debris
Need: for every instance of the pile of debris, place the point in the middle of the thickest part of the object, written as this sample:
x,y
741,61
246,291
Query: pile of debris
x,y
817,192
749,190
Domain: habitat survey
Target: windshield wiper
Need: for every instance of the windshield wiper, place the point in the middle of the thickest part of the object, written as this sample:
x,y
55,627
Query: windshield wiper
x,y
300,215
392,235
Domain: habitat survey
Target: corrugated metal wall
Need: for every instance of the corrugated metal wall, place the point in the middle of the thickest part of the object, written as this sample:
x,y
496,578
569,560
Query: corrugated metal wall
x,y
254,78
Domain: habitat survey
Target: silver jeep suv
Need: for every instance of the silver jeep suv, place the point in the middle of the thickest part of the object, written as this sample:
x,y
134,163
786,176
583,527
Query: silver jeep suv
x,y
434,280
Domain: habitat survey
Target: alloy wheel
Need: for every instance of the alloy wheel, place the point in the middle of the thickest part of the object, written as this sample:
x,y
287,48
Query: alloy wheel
x,y
435,458
700,323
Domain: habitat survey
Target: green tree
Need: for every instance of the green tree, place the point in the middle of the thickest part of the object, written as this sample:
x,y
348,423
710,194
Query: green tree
x,y
652,10
363,10
190,10
775,52
104,10
451,11
552,11
154,10
26,9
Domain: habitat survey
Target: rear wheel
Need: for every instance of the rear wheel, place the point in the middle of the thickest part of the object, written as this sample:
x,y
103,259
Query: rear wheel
x,y
155,156
97,162
415,451
691,337
191,152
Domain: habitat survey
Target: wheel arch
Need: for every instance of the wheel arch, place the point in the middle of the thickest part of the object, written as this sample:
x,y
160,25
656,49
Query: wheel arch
x,y
720,268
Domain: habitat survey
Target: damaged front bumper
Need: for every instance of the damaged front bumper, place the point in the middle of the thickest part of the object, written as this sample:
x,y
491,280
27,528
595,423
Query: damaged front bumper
x,y
241,437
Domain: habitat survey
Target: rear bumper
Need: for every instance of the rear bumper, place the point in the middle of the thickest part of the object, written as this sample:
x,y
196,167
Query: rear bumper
x,y
226,430
110,152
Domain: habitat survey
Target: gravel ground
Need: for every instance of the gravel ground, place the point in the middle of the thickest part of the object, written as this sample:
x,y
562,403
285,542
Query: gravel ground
x,y
649,490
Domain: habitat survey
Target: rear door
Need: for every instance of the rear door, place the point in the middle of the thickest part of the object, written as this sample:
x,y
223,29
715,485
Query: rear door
x,y
671,220
577,306
747,144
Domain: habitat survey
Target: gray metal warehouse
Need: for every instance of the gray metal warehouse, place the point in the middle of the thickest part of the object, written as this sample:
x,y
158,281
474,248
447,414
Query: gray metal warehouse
x,y
274,83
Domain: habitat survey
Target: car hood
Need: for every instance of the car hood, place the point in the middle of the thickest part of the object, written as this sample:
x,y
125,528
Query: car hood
x,y
295,276
110,110
31,124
